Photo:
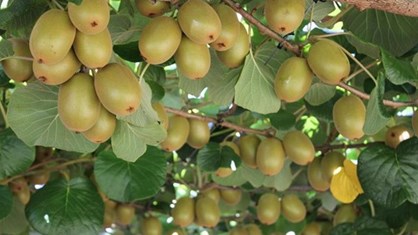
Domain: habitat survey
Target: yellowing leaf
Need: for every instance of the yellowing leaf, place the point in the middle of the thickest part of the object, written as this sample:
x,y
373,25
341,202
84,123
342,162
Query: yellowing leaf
x,y
351,170
343,188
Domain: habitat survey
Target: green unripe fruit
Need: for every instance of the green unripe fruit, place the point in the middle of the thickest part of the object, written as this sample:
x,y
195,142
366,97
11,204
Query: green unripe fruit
x,y
151,226
253,229
118,89
349,123
159,40
199,133
125,214
268,208
193,60
312,229
207,212
94,51
231,196
58,73
78,105
248,149
52,37
176,231
396,134
328,62
18,69
298,147
330,162
346,213
177,132
293,79
199,21
183,212
103,129
293,208
238,231
40,178
316,176
91,16
284,16
230,28
270,156
235,56
213,193
150,8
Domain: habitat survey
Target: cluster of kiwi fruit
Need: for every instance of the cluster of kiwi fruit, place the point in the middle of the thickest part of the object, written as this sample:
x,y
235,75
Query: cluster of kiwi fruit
x,y
198,25
270,206
72,49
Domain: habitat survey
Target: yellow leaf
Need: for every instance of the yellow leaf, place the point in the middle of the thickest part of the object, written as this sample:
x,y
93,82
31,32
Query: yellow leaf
x,y
343,188
351,170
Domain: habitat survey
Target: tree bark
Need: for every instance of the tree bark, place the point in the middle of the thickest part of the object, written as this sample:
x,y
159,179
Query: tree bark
x,y
401,7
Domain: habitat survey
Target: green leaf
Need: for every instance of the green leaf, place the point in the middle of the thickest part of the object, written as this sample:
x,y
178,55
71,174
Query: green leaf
x,y
33,116
145,115
158,91
395,33
364,47
398,71
19,18
255,84
394,217
375,115
15,156
66,207
125,29
128,51
280,181
282,120
77,2
235,179
343,229
6,49
129,142
213,156
130,181
15,222
6,201
320,11
366,225
319,93
389,177
192,87
323,111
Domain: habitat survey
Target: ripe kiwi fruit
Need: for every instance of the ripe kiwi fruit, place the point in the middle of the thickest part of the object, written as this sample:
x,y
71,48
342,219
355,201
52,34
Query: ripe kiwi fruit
x,y
268,208
293,208
330,162
349,123
125,213
199,133
152,8
270,156
151,226
396,134
177,132
183,212
231,196
284,16
103,129
94,51
298,147
235,56
316,176
248,145
207,212
346,213
90,16
230,28
18,69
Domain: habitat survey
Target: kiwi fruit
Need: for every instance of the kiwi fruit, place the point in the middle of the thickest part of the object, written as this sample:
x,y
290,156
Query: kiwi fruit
x,y
94,51
52,37
346,213
239,230
268,208
183,212
316,177
312,228
298,147
227,171
199,21
231,196
293,79
177,133
270,156
396,134
230,28
207,212
199,133
328,62
118,89
78,105
20,189
235,56
248,145
151,226
151,8
90,16
18,69
39,178
125,213
284,16
159,40
293,208
212,193
58,73
349,123
103,129
253,229
330,162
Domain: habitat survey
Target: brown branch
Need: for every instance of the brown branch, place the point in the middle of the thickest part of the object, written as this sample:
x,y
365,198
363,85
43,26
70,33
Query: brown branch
x,y
261,27
328,147
401,7
365,96
221,122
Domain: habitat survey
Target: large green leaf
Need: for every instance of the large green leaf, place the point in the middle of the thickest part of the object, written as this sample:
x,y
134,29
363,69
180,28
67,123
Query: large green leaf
x,y
15,222
398,71
130,181
125,28
33,116
362,226
389,177
376,118
255,84
6,201
18,19
145,114
15,156
213,156
282,120
320,9
66,207
129,142
363,47
193,87
395,33
319,93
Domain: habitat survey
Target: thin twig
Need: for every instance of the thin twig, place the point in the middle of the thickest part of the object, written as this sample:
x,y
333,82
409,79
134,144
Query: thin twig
x,y
3,113
261,27
328,147
221,122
